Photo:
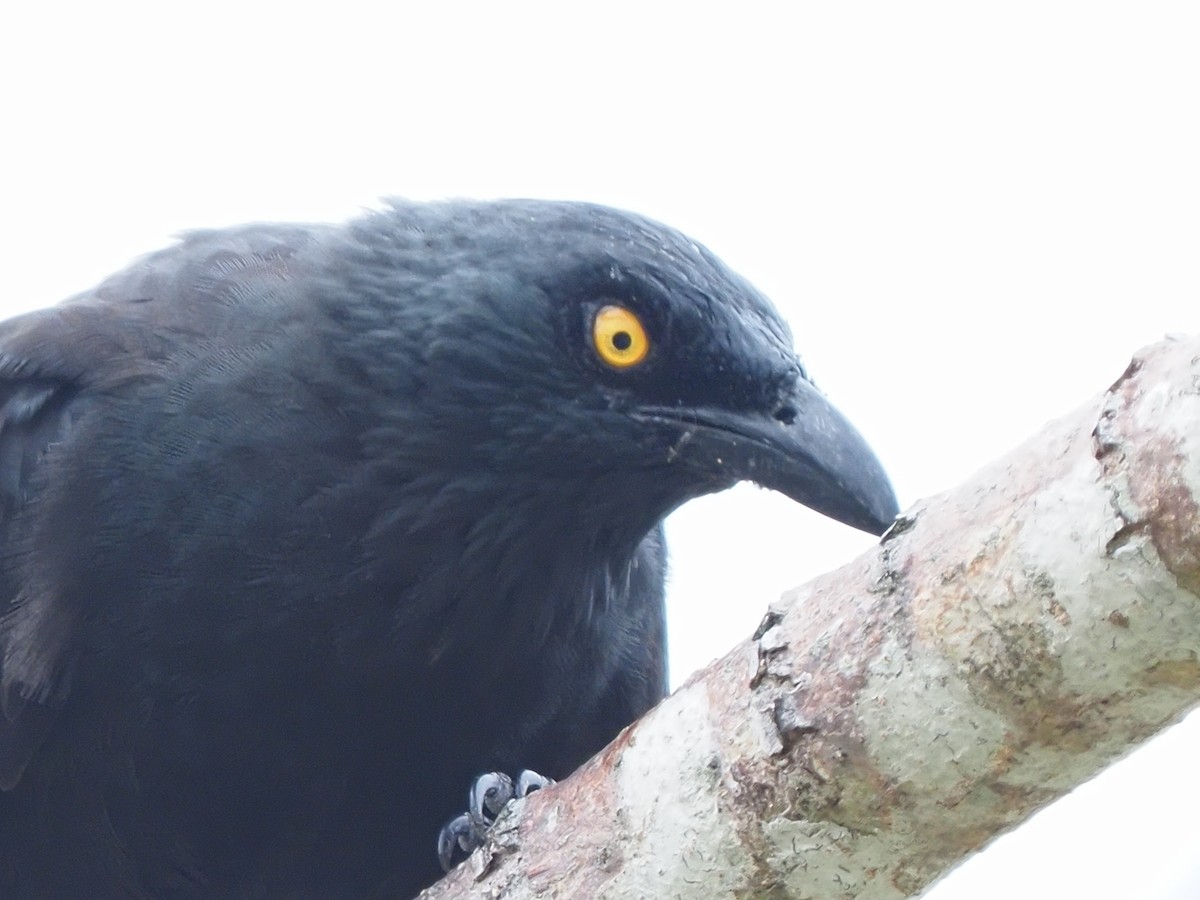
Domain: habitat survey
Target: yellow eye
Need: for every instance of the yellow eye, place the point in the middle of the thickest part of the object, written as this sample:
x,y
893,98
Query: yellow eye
x,y
619,337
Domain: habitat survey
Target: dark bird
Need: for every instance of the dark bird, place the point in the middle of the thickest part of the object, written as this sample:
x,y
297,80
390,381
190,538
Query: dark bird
x,y
305,527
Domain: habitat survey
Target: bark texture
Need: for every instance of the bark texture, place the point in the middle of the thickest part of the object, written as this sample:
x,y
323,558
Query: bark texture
x,y
1004,642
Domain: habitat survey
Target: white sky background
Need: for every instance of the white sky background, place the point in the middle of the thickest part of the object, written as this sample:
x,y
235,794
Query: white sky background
x,y
971,214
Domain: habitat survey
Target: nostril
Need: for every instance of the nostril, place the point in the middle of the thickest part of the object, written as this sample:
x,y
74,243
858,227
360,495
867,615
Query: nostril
x,y
786,414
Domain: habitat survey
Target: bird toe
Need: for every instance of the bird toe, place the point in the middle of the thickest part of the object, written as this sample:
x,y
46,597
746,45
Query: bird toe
x,y
489,794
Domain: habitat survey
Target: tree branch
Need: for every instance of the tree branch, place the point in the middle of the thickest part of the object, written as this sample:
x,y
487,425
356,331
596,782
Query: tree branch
x,y
1004,642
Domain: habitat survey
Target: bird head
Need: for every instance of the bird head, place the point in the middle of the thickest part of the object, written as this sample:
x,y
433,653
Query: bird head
x,y
609,357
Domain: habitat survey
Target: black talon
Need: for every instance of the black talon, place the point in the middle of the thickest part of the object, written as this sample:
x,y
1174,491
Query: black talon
x,y
490,792
456,834
529,781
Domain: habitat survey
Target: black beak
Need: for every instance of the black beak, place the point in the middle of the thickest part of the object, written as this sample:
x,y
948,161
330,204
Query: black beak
x,y
805,449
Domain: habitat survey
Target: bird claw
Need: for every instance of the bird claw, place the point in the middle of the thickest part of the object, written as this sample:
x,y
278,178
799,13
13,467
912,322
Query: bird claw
x,y
455,837
488,796
529,781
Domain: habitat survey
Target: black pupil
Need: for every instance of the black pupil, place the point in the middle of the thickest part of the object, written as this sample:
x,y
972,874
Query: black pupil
x,y
622,341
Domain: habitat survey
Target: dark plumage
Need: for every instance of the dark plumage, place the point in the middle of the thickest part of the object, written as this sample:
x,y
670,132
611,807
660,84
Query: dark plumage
x,y
305,527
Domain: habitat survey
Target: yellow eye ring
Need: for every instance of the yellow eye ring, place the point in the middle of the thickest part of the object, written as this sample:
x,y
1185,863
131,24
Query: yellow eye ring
x,y
619,337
